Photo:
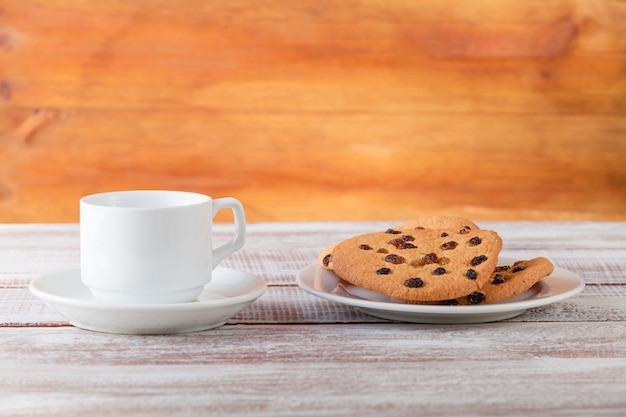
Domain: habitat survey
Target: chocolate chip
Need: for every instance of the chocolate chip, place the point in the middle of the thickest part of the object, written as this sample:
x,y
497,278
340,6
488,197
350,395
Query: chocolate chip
x,y
498,279
471,274
439,271
382,250
463,231
383,271
519,268
449,245
402,244
502,268
476,298
478,260
475,241
393,232
365,247
444,234
430,258
396,242
408,238
394,259
414,283
326,260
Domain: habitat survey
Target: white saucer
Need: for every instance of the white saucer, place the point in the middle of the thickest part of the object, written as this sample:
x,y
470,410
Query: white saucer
x,y
558,286
229,292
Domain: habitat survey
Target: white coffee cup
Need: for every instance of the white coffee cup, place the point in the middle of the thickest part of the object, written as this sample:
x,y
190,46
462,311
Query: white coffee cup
x,y
152,246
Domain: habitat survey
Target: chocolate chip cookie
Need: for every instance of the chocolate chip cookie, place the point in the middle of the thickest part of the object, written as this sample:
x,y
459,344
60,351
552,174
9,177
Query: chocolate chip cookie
x,y
419,264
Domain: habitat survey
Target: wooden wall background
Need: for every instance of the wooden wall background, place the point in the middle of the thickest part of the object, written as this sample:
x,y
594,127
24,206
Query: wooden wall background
x,y
317,109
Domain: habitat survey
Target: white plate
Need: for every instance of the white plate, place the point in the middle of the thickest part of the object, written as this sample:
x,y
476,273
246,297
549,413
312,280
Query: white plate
x,y
558,286
229,292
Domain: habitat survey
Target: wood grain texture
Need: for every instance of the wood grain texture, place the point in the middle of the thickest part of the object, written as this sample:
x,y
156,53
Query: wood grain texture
x,y
289,305
277,251
274,371
293,354
317,110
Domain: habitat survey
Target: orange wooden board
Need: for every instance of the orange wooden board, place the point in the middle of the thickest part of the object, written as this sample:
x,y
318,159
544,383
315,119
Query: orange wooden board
x,y
317,110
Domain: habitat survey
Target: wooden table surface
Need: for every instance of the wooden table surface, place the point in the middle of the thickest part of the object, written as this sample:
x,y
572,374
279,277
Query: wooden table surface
x,y
291,353
494,110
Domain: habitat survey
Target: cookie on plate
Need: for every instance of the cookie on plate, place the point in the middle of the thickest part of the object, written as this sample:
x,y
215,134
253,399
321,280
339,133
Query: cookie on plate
x,y
325,257
447,223
509,281
443,223
418,264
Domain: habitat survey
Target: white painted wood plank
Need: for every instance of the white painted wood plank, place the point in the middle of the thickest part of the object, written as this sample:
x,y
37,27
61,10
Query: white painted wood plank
x,y
365,370
568,358
277,251
291,305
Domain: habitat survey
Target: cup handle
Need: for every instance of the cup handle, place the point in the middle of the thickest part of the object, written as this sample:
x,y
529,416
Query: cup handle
x,y
239,237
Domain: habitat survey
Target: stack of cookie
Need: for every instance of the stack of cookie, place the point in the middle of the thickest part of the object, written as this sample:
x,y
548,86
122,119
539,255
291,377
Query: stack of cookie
x,y
439,259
